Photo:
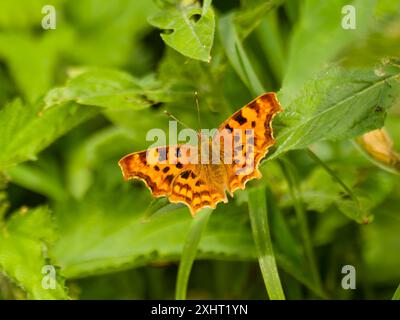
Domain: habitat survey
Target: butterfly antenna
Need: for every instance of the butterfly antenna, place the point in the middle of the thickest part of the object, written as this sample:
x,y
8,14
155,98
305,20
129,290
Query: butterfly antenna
x,y
176,119
196,95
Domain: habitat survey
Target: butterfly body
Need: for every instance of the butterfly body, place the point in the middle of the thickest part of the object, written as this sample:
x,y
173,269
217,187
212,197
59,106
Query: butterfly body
x,y
199,176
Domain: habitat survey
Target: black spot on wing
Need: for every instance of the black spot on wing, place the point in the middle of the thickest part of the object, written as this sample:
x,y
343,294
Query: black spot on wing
x,y
185,174
228,127
254,105
239,118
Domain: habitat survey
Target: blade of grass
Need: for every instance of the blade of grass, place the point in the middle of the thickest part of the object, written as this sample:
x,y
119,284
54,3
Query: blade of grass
x,y
396,295
289,173
237,55
266,258
189,252
273,47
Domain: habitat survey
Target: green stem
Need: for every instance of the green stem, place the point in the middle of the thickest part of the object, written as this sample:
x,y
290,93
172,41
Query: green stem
x,y
289,174
266,258
189,252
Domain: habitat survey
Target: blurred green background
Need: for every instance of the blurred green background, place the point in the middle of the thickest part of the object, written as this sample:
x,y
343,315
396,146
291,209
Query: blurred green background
x,y
75,99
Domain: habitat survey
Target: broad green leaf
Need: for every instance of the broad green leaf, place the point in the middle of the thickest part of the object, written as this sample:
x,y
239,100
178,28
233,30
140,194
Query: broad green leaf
x,y
338,104
107,88
25,130
108,231
24,240
261,234
188,28
319,37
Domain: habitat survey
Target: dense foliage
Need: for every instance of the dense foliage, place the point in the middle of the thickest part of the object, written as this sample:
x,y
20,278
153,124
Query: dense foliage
x,y
75,99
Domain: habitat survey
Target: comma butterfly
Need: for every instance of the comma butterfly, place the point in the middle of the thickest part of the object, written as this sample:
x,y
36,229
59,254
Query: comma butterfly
x,y
203,184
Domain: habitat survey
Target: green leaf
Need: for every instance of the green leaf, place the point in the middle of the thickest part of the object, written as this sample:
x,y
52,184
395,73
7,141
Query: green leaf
x,y
237,55
25,130
352,207
108,230
189,252
266,258
191,38
24,240
337,105
107,88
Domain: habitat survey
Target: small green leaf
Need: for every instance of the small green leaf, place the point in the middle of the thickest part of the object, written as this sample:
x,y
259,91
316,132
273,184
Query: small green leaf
x,y
191,38
24,240
266,258
189,253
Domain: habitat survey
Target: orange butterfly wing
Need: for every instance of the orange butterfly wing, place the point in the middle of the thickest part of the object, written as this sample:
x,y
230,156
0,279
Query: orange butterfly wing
x,y
257,116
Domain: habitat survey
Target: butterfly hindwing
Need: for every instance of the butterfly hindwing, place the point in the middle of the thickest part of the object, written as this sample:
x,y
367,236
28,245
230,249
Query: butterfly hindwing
x,y
167,171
